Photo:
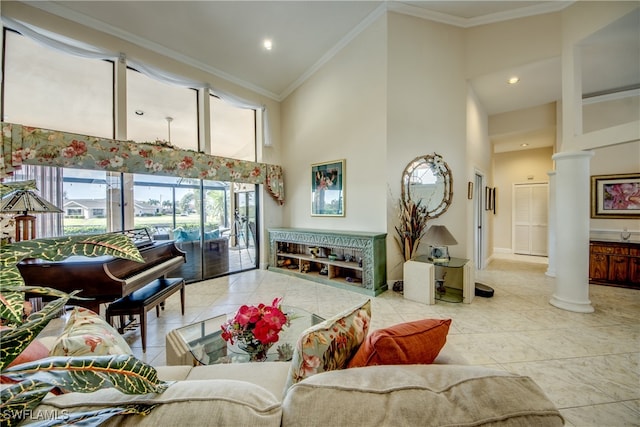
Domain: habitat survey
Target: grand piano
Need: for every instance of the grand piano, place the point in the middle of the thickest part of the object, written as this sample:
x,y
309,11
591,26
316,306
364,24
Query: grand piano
x,y
105,278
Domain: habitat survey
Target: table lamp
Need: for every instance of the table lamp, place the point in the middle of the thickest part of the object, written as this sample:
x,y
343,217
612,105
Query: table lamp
x,y
439,238
26,202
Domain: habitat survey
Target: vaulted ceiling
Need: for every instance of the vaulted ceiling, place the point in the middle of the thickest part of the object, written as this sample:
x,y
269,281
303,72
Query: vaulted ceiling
x,y
225,38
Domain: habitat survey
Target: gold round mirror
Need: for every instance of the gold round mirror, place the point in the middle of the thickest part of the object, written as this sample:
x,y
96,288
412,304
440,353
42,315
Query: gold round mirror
x,y
427,179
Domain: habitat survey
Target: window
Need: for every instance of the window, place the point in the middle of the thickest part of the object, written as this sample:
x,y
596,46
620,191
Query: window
x,y
157,111
91,202
233,131
74,212
48,89
53,90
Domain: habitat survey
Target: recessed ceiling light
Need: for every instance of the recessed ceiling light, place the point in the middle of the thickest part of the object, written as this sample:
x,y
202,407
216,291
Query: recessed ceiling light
x,y
513,80
139,113
524,145
268,44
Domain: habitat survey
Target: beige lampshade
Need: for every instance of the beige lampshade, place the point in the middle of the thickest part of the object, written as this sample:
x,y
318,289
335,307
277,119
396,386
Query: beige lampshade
x,y
25,202
438,235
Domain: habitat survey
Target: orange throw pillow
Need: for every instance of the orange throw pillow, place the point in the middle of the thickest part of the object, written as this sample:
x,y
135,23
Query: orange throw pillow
x,y
408,343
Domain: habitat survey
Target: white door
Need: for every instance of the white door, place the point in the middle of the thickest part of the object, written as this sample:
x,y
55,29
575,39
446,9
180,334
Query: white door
x,y
530,219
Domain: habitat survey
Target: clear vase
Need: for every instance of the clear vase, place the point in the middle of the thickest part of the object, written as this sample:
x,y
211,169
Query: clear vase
x,y
255,349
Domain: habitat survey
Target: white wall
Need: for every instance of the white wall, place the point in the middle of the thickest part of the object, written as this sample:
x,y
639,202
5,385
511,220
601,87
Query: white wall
x,y
616,159
511,43
615,147
373,104
340,113
427,95
478,160
579,21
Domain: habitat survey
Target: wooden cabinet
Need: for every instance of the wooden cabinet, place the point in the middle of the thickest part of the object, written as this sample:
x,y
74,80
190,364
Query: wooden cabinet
x,y
614,263
634,265
349,260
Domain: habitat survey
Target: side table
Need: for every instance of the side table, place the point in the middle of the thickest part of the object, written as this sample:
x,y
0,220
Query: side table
x,y
420,280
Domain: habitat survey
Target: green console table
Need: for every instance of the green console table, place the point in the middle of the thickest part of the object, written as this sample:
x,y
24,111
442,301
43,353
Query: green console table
x,y
350,260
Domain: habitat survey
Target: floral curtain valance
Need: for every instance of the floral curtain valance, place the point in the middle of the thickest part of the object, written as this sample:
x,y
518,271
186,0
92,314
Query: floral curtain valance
x,y
44,147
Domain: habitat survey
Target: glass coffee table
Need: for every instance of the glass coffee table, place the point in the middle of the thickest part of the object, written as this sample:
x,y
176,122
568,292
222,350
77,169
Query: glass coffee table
x,y
201,343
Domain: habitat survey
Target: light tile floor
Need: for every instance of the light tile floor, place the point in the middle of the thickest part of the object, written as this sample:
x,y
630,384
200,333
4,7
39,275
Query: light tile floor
x,y
588,364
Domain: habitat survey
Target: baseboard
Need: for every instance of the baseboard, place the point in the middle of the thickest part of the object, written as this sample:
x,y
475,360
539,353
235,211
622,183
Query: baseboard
x,y
502,251
499,253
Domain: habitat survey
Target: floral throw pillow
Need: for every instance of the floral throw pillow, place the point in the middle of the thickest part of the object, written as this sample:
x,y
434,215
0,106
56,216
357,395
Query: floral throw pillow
x,y
88,334
329,345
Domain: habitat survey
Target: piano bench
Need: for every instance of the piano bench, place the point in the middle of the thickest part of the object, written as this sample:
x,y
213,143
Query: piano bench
x,y
139,302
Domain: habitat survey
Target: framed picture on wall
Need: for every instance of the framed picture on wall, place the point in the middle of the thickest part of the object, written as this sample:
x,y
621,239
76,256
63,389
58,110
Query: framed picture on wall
x,y
615,196
327,188
494,195
488,198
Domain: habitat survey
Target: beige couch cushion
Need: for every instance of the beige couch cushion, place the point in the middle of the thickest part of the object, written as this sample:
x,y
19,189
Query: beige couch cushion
x,y
449,356
173,373
185,403
269,375
424,395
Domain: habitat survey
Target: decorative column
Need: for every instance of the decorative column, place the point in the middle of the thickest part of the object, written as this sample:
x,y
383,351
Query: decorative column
x,y
551,226
572,232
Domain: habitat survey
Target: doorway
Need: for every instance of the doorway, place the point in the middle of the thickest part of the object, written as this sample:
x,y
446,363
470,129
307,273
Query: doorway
x,y
479,223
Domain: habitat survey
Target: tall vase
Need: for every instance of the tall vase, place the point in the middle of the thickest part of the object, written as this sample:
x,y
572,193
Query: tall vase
x,y
256,350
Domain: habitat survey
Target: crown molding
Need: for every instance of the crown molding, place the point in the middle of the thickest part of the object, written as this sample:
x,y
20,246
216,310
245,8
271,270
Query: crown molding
x,y
523,12
66,13
492,18
384,7
611,95
431,15
348,38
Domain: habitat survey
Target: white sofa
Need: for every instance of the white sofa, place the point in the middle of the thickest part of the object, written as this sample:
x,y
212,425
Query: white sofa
x,y
404,395
253,394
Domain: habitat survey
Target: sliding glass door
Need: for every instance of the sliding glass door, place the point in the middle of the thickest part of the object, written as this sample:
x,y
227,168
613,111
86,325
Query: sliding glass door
x,y
213,222
198,216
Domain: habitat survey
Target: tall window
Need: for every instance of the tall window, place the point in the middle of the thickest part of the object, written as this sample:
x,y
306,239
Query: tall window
x,y
233,131
53,90
158,111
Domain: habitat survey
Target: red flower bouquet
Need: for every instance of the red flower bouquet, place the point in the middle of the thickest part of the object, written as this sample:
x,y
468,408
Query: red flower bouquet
x,y
256,328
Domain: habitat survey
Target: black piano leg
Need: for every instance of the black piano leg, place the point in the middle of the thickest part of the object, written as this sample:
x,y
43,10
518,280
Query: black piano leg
x,y
121,326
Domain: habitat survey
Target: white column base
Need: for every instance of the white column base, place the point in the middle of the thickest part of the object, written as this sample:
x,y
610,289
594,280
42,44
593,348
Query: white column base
x,y
576,306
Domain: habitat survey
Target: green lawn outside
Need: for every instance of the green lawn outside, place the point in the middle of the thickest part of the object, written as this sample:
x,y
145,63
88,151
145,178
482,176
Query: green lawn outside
x,y
98,225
